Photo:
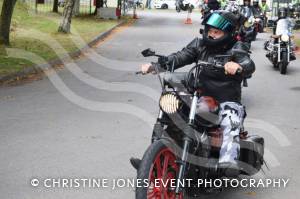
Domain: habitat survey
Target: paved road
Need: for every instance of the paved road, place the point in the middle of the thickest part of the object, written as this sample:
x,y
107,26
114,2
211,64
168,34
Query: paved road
x,y
92,122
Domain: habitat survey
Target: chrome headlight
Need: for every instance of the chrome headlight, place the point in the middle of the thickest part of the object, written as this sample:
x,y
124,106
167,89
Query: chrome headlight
x,y
249,22
285,38
169,103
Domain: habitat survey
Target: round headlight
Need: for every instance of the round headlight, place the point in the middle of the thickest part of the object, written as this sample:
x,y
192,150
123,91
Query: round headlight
x,y
285,38
169,103
247,24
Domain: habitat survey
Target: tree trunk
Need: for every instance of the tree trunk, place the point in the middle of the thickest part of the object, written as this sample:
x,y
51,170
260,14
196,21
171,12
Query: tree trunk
x,y
5,20
76,10
65,25
55,6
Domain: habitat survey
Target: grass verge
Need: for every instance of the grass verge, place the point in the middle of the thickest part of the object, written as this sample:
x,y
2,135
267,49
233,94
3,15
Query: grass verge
x,y
37,33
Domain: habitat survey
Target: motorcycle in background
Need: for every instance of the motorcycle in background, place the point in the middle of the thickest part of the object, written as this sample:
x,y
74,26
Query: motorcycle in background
x,y
259,23
280,49
184,5
249,28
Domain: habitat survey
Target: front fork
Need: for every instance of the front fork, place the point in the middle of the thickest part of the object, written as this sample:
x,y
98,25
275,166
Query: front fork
x,y
279,51
186,145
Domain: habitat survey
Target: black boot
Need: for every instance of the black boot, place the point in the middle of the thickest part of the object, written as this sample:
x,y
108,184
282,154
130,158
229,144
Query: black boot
x,y
292,57
135,162
268,55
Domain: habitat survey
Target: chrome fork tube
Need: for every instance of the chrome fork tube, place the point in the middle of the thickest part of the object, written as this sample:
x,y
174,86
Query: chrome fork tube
x,y
160,114
279,50
183,164
288,51
193,108
186,145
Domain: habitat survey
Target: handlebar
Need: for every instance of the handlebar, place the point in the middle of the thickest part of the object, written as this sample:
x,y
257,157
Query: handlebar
x,y
217,66
202,63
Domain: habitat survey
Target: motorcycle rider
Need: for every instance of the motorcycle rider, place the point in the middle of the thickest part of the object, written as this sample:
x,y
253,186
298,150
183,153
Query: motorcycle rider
x,y
256,8
282,14
264,8
257,12
247,9
223,3
209,6
219,37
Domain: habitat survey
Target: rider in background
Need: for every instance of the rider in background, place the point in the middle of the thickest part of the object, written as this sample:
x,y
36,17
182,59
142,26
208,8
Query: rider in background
x,y
209,6
264,8
247,9
223,3
219,38
256,8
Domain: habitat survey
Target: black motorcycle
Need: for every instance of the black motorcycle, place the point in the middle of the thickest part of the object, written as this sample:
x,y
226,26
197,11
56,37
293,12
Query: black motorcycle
x,y
250,27
185,142
180,5
259,23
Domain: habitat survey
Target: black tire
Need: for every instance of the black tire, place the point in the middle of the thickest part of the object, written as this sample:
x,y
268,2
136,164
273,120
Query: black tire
x,y
141,6
164,6
275,65
283,64
147,164
254,36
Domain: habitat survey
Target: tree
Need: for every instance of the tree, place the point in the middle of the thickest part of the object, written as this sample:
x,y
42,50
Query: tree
x,y
65,25
55,6
5,20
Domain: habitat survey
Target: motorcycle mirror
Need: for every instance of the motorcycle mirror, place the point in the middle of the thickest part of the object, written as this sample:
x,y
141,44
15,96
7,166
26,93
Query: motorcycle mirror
x,y
148,52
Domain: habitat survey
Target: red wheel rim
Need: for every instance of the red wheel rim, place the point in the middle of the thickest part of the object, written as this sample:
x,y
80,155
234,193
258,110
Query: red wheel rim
x,y
162,171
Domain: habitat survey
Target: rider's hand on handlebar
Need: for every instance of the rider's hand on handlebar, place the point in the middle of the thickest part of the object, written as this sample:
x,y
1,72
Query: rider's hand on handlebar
x,y
147,68
231,68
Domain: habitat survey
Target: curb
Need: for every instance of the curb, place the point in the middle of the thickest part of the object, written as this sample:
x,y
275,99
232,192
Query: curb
x,y
37,68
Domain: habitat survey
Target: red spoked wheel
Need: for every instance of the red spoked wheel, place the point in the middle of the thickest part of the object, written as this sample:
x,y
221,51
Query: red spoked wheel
x,y
158,166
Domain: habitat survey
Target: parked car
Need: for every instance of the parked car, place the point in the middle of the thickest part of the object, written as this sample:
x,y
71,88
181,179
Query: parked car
x,y
165,4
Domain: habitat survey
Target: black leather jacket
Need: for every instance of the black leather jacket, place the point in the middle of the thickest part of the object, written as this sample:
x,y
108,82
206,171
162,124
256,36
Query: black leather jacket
x,y
215,83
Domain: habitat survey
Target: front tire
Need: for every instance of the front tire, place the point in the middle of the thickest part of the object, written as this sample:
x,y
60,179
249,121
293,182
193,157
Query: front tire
x,y
158,163
164,6
283,64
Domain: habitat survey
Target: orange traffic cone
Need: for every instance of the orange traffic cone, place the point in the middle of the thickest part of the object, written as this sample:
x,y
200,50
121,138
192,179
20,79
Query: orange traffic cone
x,y
188,18
134,12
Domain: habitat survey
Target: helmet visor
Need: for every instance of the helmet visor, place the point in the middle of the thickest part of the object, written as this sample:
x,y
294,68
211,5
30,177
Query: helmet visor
x,y
219,22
